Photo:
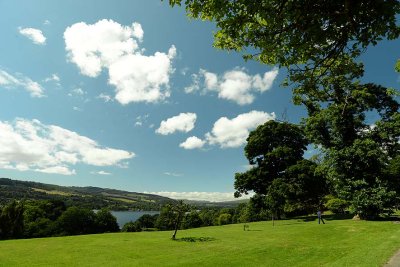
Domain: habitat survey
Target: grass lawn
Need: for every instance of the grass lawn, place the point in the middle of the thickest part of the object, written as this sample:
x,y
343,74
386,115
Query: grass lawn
x,y
288,243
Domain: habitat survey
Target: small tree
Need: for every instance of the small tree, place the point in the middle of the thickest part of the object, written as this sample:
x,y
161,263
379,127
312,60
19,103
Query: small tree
x,y
191,220
147,220
179,209
131,227
208,216
12,221
106,222
165,221
77,221
224,218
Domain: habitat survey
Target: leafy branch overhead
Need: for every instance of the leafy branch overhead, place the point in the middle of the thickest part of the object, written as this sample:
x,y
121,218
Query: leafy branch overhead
x,y
291,32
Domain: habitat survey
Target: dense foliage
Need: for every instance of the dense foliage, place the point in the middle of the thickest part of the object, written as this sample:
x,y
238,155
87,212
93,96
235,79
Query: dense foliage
x,y
294,33
319,42
283,181
31,219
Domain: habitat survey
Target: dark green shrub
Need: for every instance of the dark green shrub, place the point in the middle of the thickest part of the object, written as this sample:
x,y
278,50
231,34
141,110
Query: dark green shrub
x,y
131,227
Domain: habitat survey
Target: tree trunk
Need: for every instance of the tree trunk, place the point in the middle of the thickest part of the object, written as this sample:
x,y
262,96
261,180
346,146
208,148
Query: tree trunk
x,y
176,226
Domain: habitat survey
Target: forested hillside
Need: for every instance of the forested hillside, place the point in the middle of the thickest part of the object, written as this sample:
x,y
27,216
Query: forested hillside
x,y
87,197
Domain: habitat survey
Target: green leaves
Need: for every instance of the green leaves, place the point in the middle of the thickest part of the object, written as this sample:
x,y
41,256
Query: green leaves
x,y
297,32
318,41
397,66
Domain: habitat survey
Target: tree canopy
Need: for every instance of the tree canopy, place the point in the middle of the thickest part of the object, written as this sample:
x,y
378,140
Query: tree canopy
x,y
280,174
291,32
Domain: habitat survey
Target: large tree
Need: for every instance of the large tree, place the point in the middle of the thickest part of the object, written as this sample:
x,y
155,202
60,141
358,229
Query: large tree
x,y
357,151
271,149
319,42
281,177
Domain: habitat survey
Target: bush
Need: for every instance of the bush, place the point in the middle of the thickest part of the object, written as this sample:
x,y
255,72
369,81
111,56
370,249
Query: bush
x,y
147,220
224,218
336,205
191,220
41,227
132,227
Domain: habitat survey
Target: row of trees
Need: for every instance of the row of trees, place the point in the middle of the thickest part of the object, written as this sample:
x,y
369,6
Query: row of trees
x,y
354,125
173,217
44,218
33,219
181,216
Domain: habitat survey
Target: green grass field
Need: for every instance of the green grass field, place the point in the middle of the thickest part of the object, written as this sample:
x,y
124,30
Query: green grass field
x,y
288,243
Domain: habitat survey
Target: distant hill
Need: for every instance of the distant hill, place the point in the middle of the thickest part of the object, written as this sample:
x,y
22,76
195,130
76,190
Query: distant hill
x,y
88,197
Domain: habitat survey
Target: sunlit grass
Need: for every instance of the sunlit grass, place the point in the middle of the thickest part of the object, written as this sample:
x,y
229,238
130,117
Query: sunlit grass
x,y
288,243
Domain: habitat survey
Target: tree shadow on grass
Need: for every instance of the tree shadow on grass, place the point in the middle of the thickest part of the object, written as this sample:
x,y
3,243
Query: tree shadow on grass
x,y
192,239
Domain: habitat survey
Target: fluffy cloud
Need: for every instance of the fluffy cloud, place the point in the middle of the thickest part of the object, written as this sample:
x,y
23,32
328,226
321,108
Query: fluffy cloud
x,y
234,85
35,35
192,143
184,122
233,132
112,46
9,81
200,196
31,145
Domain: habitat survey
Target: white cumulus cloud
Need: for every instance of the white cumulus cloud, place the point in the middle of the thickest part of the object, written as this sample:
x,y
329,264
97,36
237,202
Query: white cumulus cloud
x,y
10,81
35,35
200,196
114,47
32,145
192,142
234,132
235,85
184,122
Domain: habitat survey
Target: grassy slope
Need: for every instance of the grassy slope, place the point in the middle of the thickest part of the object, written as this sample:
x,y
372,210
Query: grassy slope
x,y
289,243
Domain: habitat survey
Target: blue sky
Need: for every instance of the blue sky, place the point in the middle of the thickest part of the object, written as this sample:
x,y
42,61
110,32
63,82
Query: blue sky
x,y
132,95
